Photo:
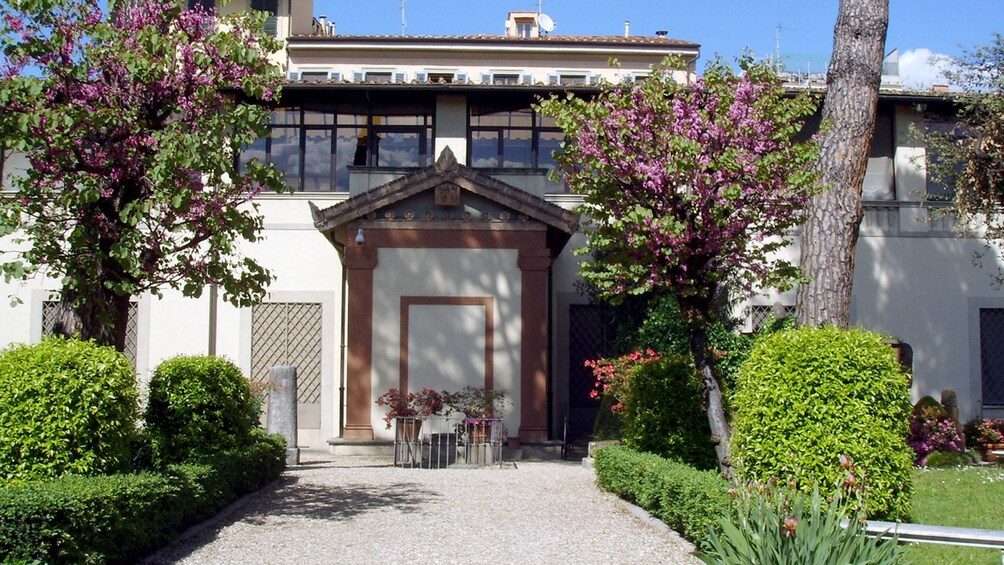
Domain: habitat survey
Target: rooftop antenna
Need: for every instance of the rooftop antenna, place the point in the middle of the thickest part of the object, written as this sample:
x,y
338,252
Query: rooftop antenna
x,y
540,6
778,64
403,22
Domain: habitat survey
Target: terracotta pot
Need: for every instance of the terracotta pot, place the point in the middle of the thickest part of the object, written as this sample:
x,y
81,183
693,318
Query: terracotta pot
x,y
987,451
408,429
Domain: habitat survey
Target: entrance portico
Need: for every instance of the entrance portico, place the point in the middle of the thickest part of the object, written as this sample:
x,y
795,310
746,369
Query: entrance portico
x,y
448,286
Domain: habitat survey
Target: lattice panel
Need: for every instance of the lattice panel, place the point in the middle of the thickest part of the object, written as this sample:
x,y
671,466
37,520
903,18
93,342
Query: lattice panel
x,y
992,355
760,314
50,307
288,333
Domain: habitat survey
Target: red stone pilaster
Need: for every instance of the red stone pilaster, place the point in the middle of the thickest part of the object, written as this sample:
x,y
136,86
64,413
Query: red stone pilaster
x,y
534,264
360,260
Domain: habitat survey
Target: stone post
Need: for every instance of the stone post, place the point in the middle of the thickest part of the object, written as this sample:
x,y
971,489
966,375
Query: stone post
x,y
282,409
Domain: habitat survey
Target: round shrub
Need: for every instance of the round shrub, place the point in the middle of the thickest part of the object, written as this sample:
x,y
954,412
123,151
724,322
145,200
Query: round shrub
x,y
66,407
807,396
664,414
198,406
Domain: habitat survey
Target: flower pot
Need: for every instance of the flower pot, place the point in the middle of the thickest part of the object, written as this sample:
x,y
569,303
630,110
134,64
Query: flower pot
x,y
987,452
407,429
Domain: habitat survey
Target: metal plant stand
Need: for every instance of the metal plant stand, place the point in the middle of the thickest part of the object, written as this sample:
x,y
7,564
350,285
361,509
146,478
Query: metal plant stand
x,y
440,442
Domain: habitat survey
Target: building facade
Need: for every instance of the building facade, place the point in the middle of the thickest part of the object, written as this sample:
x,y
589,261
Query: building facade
x,y
424,243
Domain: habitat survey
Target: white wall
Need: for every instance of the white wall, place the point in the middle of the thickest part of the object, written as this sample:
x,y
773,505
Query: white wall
x,y
447,272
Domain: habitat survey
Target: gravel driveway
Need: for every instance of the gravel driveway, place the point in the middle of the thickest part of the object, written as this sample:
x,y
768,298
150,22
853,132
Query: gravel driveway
x,y
360,510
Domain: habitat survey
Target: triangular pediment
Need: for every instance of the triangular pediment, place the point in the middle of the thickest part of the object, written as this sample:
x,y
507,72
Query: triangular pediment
x,y
448,195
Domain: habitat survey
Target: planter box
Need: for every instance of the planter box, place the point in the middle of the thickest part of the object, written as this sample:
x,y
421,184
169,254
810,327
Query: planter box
x,y
987,451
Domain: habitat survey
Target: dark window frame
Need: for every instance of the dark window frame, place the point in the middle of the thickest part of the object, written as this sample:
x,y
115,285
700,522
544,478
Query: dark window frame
x,y
535,128
341,117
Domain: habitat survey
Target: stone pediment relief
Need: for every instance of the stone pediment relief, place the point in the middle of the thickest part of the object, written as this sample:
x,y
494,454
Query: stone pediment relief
x,y
446,195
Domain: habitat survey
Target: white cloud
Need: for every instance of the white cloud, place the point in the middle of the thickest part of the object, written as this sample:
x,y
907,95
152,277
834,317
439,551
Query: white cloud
x,y
921,68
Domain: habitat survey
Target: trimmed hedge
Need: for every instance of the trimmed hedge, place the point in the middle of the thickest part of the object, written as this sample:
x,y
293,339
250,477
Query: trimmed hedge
x,y
199,405
120,518
807,396
665,415
66,407
688,500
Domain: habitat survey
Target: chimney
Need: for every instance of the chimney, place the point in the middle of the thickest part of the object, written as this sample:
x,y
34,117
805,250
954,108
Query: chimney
x,y
939,88
661,33
323,21
627,28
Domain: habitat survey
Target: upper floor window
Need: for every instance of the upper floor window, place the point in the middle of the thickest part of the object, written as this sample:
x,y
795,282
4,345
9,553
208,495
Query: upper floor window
x,y
941,178
272,21
524,28
315,146
879,176
512,137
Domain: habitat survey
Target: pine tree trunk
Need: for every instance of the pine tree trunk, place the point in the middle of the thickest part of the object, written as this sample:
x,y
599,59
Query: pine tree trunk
x,y
720,432
830,235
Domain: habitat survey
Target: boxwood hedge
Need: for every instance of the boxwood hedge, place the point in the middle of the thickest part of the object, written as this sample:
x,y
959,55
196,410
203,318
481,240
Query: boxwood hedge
x,y
120,518
688,500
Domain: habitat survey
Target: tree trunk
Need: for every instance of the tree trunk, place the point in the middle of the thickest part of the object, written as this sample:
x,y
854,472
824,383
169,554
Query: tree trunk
x,y
713,394
101,316
830,235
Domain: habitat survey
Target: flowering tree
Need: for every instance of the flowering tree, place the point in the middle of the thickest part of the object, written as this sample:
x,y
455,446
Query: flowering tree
x,y
688,187
132,120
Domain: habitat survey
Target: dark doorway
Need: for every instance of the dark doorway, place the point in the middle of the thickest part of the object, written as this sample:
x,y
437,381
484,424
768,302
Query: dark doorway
x,y
587,339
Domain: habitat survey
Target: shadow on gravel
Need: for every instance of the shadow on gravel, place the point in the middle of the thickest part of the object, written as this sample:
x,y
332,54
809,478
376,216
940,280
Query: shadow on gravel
x,y
334,502
289,497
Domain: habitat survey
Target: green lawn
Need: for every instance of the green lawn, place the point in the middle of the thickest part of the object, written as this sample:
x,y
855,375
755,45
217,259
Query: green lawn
x,y
970,497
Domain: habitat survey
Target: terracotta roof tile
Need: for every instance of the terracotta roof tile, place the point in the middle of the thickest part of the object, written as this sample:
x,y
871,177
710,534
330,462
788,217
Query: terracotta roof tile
x,y
599,39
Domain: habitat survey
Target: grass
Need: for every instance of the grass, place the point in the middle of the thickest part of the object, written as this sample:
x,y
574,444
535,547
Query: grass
x,y
971,497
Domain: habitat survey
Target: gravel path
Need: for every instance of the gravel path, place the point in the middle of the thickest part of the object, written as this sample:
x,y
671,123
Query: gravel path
x,y
359,510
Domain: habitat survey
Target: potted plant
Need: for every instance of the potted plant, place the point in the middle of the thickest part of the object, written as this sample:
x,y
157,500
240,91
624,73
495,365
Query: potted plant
x,y
410,409
482,408
985,435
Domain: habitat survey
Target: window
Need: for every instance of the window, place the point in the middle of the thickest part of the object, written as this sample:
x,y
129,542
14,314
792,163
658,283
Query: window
x,y
440,77
272,21
505,78
314,75
941,187
568,80
524,28
992,356
512,137
314,147
878,182
270,6
381,77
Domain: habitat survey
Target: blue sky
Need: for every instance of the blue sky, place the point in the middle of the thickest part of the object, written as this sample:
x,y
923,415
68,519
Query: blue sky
x,y
918,27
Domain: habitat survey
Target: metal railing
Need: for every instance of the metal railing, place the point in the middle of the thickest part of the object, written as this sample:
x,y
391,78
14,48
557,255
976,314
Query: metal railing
x,y
438,442
946,535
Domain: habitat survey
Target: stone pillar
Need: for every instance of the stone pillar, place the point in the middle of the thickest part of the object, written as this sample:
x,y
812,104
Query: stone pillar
x,y
282,409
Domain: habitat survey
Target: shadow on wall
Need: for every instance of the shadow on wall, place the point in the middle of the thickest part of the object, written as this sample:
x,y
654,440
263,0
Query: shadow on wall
x,y
918,289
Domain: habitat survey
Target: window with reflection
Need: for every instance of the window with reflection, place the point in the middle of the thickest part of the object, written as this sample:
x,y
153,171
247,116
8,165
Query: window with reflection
x,y
314,146
512,137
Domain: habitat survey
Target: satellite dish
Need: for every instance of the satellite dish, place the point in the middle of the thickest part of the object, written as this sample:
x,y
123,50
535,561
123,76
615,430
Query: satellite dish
x,y
545,22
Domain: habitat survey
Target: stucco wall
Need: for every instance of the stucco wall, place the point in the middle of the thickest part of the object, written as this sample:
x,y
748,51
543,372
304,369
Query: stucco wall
x,y
447,273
